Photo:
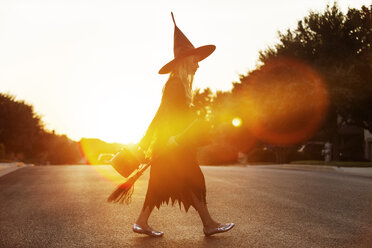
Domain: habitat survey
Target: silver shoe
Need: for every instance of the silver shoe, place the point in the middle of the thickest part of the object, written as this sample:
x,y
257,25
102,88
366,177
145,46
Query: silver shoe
x,y
221,228
139,229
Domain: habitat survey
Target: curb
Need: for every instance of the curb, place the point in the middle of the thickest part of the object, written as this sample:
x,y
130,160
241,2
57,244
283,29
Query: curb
x,y
6,168
302,167
355,171
309,167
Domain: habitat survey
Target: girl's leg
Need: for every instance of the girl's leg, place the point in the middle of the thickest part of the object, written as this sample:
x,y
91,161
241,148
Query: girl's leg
x,y
141,226
144,217
205,217
210,226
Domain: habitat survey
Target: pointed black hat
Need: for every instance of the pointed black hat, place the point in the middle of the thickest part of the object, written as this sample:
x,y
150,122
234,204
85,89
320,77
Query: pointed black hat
x,y
184,48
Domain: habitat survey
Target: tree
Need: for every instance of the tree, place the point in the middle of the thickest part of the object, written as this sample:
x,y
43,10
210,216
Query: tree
x,y
20,127
58,149
338,47
201,102
23,136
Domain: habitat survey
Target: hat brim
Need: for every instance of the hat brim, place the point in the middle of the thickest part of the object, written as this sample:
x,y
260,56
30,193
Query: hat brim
x,y
202,52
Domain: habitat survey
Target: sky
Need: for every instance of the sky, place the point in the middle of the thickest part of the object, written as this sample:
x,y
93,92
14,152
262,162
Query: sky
x,y
90,67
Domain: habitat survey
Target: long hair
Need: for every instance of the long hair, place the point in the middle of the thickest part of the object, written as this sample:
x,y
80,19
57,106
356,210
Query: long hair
x,y
181,71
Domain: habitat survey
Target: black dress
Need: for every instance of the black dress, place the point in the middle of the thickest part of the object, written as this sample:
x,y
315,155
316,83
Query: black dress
x,y
175,174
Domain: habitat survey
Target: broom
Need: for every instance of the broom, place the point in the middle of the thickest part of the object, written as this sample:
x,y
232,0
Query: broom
x,y
123,193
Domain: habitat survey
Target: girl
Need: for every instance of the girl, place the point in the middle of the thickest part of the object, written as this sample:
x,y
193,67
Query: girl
x,y
175,174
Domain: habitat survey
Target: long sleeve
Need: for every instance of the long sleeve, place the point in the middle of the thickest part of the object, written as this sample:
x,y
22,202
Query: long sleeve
x,y
170,116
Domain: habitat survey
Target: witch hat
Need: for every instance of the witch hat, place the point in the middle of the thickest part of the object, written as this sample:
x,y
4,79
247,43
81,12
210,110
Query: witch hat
x,y
184,48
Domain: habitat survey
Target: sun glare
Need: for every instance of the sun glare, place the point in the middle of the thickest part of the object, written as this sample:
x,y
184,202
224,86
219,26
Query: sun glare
x,y
237,122
91,150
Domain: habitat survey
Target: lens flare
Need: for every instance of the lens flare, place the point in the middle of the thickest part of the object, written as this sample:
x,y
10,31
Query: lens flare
x,y
237,122
90,150
286,101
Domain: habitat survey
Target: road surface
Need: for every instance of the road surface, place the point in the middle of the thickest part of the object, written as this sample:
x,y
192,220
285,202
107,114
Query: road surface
x,y
65,206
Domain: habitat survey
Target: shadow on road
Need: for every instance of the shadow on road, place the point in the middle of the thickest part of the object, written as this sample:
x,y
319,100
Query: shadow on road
x,y
201,241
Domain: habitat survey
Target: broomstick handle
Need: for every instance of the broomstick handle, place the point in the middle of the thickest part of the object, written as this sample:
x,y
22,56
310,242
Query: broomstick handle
x,y
142,170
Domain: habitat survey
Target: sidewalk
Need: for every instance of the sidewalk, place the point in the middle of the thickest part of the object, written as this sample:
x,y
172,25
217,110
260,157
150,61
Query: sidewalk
x,y
6,168
357,171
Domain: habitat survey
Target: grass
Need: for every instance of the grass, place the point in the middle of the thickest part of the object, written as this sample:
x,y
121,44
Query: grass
x,y
335,163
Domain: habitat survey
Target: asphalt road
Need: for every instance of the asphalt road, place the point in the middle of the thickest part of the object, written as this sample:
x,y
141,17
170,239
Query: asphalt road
x,y
65,206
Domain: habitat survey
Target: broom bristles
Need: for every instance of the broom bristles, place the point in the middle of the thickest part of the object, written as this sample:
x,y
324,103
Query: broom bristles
x,y
123,193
